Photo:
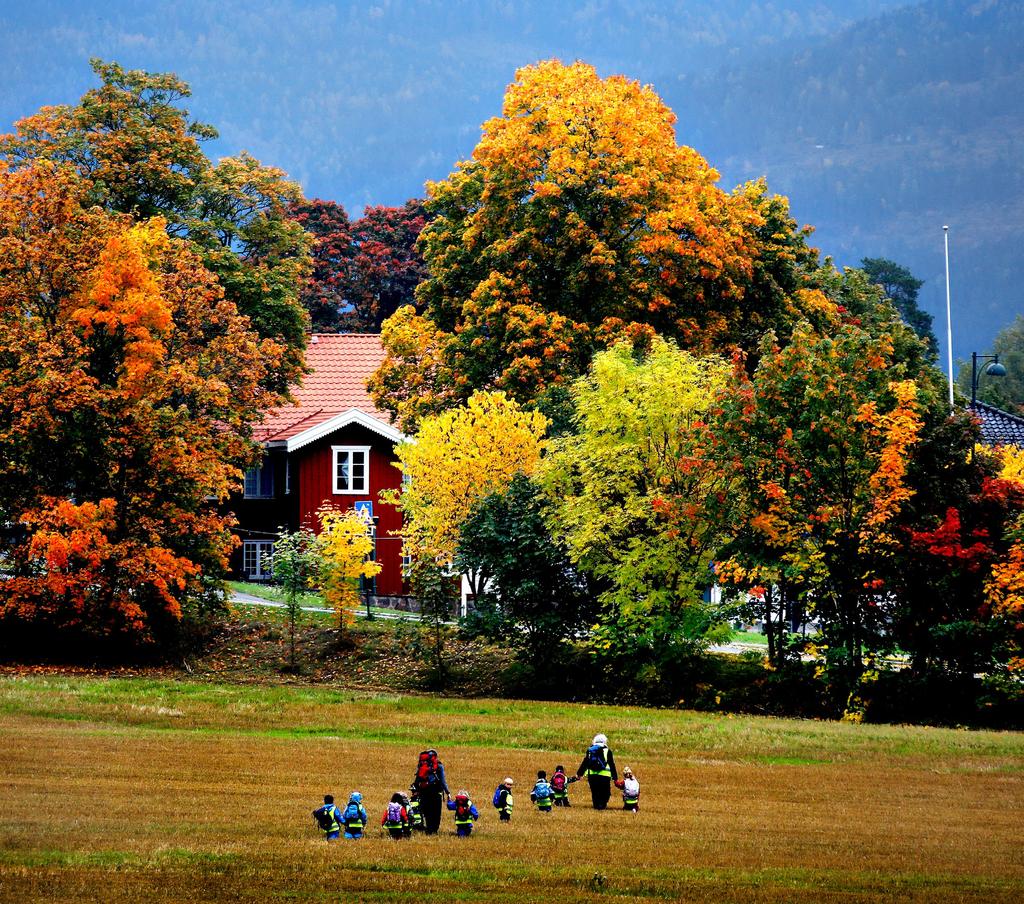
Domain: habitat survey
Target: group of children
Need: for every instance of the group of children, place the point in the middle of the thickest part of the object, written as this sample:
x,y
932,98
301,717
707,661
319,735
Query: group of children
x,y
401,817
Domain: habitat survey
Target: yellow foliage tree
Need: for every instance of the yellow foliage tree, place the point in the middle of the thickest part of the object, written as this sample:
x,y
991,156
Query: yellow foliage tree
x,y
458,458
346,544
1005,587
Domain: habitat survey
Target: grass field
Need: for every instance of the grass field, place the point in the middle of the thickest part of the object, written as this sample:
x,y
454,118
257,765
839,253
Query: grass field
x,y
125,790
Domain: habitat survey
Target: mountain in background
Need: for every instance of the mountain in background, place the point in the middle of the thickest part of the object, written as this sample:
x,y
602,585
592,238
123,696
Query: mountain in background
x,y
881,121
882,134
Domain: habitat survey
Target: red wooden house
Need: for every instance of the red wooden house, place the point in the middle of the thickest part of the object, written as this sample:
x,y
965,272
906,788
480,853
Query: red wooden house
x,y
332,447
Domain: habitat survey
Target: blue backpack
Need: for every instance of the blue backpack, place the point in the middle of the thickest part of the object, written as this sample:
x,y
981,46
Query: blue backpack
x,y
496,800
352,816
596,760
542,790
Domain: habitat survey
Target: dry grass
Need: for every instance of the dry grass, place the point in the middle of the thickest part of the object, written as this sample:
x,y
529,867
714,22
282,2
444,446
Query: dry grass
x,y
155,790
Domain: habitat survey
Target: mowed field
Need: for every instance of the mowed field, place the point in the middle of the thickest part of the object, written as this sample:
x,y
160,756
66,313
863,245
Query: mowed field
x,y
136,789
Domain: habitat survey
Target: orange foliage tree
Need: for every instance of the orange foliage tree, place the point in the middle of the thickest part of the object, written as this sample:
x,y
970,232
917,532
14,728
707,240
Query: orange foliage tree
x,y
579,221
816,447
128,388
138,152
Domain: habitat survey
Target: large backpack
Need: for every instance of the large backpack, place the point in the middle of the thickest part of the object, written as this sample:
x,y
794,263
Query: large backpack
x,y
427,769
415,816
558,782
596,759
542,790
394,813
325,817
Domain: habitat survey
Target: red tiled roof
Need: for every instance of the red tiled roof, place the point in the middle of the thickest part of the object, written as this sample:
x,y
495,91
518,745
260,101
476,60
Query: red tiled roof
x,y
340,364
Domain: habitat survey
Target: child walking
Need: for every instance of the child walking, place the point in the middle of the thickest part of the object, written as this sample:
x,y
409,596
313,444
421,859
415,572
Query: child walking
x,y
466,813
630,788
354,818
415,816
560,786
328,817
396,817
542,794
503,800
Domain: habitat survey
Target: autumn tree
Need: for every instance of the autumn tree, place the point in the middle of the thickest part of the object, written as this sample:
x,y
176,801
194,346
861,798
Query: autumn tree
x,y
578,221
129,385
387,265
363,271
326,288
138,152
629,496
459,457
816,446
346,546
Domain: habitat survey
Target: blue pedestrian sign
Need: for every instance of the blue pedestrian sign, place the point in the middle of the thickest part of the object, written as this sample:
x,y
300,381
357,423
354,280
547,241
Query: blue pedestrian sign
x,y
364,508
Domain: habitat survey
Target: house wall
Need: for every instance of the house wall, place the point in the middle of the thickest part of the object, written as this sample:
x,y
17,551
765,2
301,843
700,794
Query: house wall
x,y
263,519
313,465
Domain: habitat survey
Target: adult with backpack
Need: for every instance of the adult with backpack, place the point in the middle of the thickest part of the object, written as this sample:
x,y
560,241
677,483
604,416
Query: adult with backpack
x,y
598,766
430,784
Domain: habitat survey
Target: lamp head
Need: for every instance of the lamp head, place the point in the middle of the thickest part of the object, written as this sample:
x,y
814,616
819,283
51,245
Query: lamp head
x,y
995,369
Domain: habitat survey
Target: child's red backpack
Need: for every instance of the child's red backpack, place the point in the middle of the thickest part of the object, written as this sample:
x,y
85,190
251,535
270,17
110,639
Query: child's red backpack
x,y
558,782
462,807
427,769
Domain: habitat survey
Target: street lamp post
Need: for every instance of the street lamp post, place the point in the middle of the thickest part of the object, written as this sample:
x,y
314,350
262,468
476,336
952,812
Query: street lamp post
x,y
993,369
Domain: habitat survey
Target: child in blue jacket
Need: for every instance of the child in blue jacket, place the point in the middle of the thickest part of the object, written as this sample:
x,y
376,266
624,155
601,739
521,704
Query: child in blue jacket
x,y
328,817
355,817
466,813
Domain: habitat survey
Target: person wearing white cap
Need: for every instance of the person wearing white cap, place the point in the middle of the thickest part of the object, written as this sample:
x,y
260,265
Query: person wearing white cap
x,y
598,766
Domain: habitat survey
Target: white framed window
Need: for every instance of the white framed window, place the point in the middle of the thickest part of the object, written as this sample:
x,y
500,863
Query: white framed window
x,y
259,482
257,558
351,468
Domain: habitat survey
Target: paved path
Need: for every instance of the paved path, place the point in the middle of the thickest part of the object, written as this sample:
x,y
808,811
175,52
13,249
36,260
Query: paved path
x,y
249,600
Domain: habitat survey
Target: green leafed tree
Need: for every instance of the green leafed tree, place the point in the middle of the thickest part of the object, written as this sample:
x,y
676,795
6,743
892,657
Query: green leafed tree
x,y
534,597
630,494
298,564
1003,392
901,288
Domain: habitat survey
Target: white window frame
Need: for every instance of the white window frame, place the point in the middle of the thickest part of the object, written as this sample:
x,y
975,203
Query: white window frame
x,y
264,559
336,453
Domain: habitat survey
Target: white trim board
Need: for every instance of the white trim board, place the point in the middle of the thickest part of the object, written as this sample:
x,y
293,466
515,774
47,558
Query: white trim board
x,y
352,416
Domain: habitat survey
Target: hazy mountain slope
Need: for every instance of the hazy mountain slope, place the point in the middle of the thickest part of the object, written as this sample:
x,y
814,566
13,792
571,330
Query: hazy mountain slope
x,y
364,101
882,134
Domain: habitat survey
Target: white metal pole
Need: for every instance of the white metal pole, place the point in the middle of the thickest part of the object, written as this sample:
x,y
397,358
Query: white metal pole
x,y
949,321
